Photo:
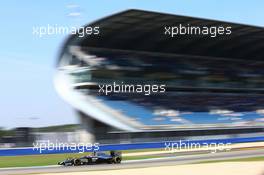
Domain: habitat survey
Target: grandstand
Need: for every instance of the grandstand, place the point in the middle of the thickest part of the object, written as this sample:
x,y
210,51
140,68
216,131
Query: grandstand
x,y
214,86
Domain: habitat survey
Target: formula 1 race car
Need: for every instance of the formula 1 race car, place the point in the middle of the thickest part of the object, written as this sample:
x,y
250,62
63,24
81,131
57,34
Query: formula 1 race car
x,y
95,158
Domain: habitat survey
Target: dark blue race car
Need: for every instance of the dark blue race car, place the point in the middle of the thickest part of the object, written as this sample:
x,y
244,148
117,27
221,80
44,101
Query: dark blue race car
x,y
95,158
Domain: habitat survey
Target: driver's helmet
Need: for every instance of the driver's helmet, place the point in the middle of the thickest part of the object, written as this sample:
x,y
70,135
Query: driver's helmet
x,y
94,153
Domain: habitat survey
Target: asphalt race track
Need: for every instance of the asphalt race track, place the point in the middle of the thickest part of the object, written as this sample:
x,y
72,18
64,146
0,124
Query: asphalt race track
x,y
183,159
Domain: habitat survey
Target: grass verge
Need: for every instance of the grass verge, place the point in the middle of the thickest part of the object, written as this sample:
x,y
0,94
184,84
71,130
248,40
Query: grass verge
x,y
50,159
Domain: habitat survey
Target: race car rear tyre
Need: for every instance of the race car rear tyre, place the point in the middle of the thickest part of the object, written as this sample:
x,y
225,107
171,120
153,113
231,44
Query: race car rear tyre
x,y
117,160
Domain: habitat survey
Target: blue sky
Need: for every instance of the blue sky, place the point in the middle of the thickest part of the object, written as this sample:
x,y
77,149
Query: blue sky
x,y
27,62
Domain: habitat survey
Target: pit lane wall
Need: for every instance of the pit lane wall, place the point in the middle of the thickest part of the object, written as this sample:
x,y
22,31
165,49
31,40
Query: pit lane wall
x,y
130,146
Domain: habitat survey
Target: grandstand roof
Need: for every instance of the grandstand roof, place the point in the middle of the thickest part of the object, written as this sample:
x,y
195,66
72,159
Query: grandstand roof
x,y
138,30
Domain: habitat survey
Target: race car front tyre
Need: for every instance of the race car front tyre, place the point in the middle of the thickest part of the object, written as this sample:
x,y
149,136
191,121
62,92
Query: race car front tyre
x,y
77,162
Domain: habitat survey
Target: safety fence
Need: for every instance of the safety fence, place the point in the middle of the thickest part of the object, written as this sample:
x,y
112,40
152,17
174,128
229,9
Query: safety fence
x,y
54,149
